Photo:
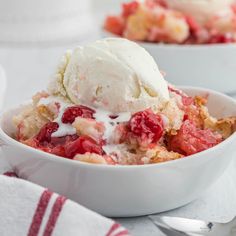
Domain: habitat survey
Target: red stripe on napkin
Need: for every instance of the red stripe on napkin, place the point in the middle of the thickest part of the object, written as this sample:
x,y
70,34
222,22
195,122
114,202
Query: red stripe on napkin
x,y
115,227
57,207
39,213
112,229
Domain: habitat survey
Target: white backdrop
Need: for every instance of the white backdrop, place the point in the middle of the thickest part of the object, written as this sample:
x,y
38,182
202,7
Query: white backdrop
x,y
28,71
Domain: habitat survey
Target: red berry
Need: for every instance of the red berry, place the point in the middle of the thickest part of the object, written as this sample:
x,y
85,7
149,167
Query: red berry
x,y
146,125
221,38
129,8
82,145
46,131
185,117
55,146
193,25
115,25
58,150
190,139
72,112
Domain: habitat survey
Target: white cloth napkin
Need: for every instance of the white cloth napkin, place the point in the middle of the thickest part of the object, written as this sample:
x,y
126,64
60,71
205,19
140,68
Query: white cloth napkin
x,y
28,209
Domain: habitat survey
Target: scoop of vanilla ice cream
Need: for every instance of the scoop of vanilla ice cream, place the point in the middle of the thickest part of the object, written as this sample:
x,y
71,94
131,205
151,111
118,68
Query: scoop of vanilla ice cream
x,y
201,10
116,75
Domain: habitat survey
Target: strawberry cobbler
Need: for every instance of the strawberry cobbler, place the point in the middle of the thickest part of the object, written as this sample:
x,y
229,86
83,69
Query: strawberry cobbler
x,y
175,21
133,119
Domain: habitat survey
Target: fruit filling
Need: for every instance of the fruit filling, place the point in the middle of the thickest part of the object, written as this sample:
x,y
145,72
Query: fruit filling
x,y
179,22
143,137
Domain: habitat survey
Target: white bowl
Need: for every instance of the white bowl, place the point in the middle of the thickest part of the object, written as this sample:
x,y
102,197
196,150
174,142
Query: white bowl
x,y
211,66
125,190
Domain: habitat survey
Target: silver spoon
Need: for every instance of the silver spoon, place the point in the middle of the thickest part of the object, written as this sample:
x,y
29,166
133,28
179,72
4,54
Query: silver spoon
x,y
176,226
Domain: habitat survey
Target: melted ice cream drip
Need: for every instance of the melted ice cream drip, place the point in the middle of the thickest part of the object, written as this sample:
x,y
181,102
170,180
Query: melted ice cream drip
x,y
110,121
64,129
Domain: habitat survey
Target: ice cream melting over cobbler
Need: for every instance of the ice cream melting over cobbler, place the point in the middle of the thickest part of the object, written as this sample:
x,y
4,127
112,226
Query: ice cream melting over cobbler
x,y
108,103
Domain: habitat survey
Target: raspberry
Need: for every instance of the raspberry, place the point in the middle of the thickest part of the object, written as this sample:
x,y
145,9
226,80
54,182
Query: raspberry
x,y
72,112
129,8
146,125
46,131
82,145
190,139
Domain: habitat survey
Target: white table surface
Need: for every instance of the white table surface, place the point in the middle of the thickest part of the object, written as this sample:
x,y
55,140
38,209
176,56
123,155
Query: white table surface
x,y
28,71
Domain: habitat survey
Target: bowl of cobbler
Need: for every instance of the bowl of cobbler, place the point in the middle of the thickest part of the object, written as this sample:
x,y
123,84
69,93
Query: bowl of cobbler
x,y
112,134
194,42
